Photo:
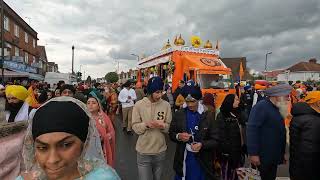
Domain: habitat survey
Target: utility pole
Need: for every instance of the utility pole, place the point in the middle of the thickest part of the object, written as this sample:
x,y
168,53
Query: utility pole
x,y
266,64
2,41
72,58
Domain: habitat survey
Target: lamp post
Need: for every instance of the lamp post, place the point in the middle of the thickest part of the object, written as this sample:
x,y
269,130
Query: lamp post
x,y
72,58
136,56
266,63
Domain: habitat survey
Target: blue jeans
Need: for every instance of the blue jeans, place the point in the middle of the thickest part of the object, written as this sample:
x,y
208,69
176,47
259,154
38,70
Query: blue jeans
x,y
150,167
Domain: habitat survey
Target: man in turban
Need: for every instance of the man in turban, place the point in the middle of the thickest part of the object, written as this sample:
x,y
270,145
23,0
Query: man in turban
x,y
151,119
2,103
67,90
305,138
266,133
17,109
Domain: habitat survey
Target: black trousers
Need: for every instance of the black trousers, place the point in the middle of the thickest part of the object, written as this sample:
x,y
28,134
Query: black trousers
x,y
268,172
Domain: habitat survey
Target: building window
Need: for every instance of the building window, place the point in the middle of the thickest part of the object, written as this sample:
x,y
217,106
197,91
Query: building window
x,y
34,43
33,59
26,37
16,51
40,64
16,30
6,23
26,57
7,49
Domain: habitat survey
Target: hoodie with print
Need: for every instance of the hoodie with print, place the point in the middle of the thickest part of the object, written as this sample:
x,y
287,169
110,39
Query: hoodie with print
x,y
151,141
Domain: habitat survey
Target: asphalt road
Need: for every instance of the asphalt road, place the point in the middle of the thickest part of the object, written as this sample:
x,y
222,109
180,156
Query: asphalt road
x,y
126,165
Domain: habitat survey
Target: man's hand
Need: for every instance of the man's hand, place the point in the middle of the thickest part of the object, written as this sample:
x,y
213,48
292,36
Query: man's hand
x,y
159,124
255,160
150,124
196,146
285,159
184,137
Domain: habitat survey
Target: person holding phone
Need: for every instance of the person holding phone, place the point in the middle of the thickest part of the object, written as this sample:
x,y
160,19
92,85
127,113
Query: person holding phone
x,y
151,119
194,131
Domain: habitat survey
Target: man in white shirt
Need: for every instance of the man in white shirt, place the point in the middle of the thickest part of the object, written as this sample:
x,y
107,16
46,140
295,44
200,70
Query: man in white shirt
x,y
127,97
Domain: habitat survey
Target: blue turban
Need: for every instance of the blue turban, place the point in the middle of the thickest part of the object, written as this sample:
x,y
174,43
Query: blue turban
x,y
155,84
247,87
193,90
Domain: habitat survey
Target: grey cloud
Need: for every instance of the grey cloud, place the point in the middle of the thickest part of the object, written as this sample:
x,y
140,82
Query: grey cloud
x,y
288,28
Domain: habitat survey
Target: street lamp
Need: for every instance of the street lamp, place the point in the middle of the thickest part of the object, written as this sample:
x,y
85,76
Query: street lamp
x,y
266,63
136,56
72,58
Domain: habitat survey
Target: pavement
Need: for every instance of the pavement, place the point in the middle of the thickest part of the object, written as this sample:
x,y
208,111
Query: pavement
x,y
126,165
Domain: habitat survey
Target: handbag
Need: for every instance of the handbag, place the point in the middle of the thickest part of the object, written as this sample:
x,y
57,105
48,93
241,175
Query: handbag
x,y
248,174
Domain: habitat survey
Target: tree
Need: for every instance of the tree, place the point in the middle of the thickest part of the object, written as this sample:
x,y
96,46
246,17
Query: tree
x,y
112,77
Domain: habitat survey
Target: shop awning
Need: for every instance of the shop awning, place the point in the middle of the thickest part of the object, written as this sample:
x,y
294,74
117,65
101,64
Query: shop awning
x,y
17,74
35,77
8,73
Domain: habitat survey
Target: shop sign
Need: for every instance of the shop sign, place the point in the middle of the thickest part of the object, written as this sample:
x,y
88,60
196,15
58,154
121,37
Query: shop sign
x,y
19,67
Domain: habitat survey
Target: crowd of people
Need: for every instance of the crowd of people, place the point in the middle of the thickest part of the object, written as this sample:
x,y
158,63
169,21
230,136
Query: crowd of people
x,y
71,133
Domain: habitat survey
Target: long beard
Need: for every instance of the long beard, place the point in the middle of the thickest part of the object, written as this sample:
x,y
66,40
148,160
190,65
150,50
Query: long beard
x,y
283,108
14,107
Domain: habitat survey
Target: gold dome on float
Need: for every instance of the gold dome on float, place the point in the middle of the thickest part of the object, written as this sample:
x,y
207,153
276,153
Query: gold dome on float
x,y
208,45
168,45
175,40
180,41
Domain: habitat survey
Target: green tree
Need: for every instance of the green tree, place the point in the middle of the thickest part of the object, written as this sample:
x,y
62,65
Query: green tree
x,y
112,77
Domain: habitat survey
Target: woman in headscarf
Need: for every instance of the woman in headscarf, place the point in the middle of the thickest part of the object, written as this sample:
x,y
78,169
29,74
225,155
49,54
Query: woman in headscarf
x,y
112,104
195,133
104,126
32,98
231,137
208,101
62,142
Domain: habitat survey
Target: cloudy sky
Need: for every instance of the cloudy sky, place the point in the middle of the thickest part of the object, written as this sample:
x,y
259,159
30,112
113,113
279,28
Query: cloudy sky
x,y
105,32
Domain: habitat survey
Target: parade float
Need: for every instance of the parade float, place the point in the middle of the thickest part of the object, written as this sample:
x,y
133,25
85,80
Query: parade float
x,y
180,62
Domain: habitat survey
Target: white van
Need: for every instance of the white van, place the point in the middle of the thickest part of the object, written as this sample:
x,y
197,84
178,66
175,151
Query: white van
x,y
53,78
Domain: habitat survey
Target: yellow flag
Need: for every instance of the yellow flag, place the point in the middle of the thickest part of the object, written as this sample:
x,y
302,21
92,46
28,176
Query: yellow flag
x,y
196,41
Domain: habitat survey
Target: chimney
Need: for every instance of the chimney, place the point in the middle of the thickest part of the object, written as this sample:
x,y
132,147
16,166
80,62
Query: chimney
x,y
313,61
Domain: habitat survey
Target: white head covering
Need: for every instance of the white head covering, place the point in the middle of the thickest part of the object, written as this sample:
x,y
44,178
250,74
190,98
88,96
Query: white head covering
x,y
91,156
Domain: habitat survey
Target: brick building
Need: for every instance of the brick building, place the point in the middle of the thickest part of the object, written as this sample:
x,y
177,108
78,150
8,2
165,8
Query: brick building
x,y
302,71
43,60
234,65
52,67
20,45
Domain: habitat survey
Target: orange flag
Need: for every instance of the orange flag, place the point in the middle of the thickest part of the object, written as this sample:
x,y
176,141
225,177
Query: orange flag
x,y
241,71
31,99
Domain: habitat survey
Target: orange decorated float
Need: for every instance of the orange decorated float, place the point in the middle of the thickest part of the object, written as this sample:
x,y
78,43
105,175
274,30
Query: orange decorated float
x,y
180,62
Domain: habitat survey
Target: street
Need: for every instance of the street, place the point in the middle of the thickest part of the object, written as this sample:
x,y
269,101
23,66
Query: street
x,y
126,165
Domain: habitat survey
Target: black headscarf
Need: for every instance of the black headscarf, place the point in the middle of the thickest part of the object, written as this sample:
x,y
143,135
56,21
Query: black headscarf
x,y
227,106
61,116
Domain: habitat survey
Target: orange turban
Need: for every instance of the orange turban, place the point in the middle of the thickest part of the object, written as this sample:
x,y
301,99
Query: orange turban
x,y
312,97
